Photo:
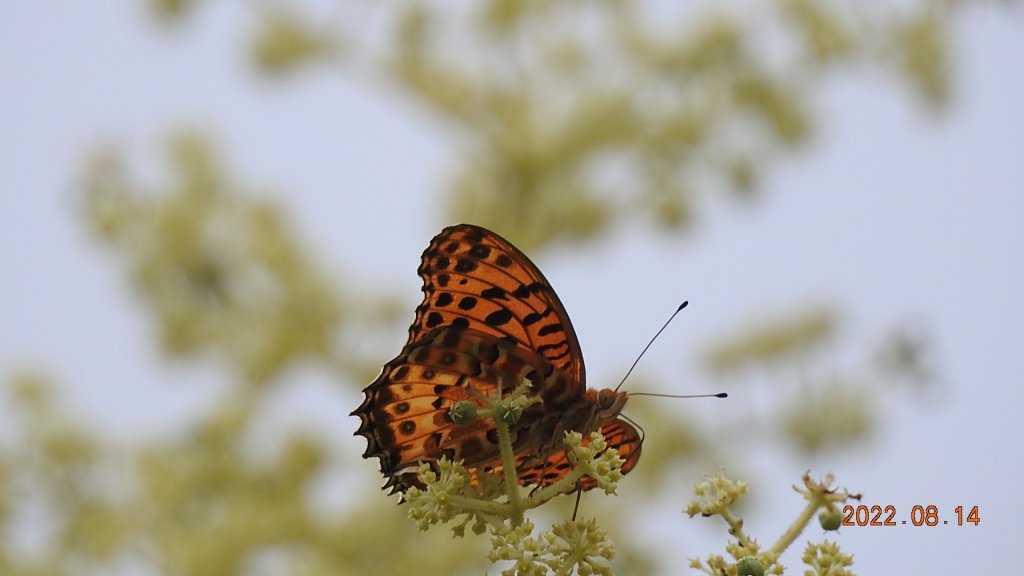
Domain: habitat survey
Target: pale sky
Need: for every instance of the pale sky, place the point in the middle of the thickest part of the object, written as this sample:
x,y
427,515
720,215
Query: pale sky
x,y
893,213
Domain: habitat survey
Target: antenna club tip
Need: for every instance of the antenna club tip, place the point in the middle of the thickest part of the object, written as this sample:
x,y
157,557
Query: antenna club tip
x,y
683,305
721,395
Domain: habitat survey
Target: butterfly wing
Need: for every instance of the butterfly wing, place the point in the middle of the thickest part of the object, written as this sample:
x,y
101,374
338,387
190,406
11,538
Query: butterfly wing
x,y
475,279
405,412
621,437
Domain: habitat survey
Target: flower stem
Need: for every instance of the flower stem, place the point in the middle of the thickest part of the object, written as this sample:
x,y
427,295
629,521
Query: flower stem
x,y
795,528
736,529
508,465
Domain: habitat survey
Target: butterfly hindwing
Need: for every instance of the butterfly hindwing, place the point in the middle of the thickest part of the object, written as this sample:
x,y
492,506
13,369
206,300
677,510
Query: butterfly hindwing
x,y
405,413
621,437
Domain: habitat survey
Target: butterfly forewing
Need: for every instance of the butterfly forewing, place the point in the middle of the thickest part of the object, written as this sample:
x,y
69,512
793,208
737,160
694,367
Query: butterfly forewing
x,y
477,279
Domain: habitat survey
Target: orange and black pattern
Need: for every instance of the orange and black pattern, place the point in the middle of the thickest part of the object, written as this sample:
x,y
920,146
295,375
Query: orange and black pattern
x,y
489,320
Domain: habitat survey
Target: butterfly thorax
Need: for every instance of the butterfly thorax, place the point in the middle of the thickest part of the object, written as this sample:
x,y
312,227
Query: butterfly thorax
x,y
585,415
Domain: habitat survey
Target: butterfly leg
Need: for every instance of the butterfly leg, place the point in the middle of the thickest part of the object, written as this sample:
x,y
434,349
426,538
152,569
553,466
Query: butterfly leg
x,y
576,508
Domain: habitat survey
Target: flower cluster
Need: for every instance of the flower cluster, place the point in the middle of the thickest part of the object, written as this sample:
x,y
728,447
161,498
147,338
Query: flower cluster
x,y
570,545
826,559
434,504
595,460
488,502
716,497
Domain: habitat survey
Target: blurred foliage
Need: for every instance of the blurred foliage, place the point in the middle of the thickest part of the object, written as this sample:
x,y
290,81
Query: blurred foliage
x,y
832,417
580,114
284,42
218,268
822,397
573,117
172,10
197,504
54,475
783,340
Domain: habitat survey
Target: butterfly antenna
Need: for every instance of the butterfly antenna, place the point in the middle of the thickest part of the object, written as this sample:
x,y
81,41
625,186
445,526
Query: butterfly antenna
x,y
644,351
716,395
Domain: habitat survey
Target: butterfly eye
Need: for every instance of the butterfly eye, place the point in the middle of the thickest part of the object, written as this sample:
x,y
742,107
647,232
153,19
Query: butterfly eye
x,y
605,398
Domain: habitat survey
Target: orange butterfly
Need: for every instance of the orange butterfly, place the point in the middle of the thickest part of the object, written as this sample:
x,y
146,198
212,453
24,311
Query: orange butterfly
x,y
489,320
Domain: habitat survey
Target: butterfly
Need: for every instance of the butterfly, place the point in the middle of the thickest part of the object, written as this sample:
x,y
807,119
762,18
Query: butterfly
x,y
488,321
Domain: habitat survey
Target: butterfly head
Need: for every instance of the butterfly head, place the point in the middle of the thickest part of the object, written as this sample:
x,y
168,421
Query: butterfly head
x,y
609,403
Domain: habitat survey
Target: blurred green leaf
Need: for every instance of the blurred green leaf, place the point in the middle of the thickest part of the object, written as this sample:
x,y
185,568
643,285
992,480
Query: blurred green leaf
x,y
772,341
220,268
285,41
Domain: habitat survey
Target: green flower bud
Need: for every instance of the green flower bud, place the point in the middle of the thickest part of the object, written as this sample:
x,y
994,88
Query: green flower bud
x,y
462,412
509,414
830,519
749,566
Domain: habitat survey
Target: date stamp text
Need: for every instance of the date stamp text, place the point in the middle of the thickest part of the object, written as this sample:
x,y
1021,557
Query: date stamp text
x,y
930,515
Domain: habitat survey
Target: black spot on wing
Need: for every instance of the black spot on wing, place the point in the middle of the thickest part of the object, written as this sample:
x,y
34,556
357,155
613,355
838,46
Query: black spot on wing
x,y
494,293
465,265
499,317
480,252
550,329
